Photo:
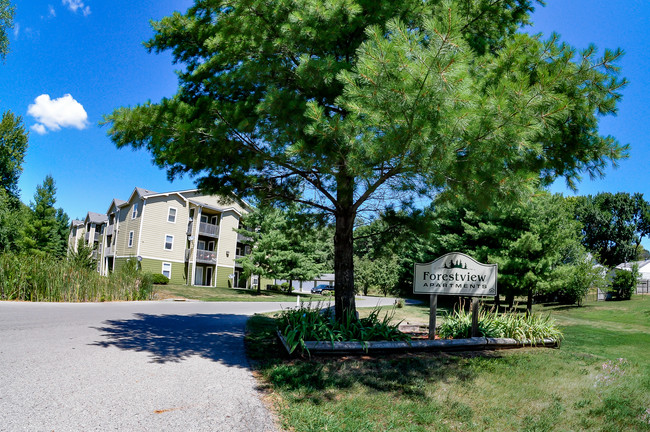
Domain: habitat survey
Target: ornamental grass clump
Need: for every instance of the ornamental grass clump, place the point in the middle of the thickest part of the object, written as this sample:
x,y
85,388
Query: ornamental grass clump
x,y
513,325
310,323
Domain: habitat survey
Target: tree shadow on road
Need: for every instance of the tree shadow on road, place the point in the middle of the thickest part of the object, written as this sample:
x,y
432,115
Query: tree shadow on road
x,y
174,338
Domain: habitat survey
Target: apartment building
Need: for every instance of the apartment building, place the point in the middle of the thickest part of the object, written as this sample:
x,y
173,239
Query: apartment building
x,y
186,235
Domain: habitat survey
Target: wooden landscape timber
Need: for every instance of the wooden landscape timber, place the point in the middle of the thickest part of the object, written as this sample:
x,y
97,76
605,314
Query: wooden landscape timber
x,y
438,345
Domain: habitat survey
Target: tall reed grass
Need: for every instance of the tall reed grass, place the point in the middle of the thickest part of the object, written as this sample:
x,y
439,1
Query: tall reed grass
x,y
511,324
35,278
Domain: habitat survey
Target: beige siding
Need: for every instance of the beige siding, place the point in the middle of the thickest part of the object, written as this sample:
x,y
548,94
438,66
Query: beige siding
x,y
155,227
227,239
127,224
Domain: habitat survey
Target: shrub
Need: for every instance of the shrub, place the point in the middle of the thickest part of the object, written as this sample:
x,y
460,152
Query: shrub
x,y
624,283
159,279
309,323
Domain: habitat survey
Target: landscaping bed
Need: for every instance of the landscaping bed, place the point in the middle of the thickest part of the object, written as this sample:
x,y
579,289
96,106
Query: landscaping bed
x,y
598,380
441,345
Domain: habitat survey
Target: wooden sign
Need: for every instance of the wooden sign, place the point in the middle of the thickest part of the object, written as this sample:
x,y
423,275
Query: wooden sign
x,y
456,274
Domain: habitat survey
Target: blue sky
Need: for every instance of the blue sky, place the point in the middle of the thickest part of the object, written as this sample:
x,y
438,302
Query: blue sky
x,y
92,51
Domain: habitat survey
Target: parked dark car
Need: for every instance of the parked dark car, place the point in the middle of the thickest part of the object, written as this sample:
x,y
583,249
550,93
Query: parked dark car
x,y
322,289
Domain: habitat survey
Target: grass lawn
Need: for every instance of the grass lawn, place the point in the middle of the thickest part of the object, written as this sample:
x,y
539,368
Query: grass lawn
x,y
581,386
227,294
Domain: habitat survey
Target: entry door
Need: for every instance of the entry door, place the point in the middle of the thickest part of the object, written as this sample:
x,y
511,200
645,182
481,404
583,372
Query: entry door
x,y
198,280
208,276
236,278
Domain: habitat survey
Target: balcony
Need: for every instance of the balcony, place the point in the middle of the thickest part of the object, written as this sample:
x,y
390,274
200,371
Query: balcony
x,y
110,229
109,251
208,229
204,256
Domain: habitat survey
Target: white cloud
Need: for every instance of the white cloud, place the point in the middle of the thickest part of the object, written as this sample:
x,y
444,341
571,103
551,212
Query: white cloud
x,y
39,129
51,13
16,30
53,114
75,5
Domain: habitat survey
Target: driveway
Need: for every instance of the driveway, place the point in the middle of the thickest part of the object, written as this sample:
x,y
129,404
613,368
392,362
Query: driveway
x,y
129,366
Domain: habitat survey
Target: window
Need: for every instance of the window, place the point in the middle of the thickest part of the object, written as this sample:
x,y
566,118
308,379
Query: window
x,y
171,216
130,238
167,269
201,245
169,242
134,213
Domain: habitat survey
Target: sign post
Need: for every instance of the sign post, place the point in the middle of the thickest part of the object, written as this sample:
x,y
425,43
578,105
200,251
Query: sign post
x,y
433,310
455,274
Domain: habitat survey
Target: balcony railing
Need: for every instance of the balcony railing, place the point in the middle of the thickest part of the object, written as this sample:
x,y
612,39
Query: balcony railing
x,y
109,251
205,256
209,229
110,229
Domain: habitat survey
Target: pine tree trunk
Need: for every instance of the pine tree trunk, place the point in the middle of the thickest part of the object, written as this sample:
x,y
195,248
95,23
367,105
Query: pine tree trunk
x,y
344,302
259,284
529,302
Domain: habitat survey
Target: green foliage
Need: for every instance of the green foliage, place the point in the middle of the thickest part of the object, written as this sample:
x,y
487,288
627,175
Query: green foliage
x,y
613,225
285,245
380,274
46,232
581,277
338,104
7,11
14,217
310,323
82,256
522,327
44,278
624,282
536,243
13,145
159,279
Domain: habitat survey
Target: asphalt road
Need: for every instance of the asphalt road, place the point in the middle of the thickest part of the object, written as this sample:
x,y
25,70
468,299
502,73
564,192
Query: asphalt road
x,y
129,366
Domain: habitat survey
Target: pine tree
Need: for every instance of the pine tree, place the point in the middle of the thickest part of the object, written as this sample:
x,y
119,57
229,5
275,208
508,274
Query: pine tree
x,y
43,233
344,105
283,245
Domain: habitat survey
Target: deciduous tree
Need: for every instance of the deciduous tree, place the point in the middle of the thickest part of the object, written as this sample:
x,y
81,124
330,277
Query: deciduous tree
x,y
613,225
335,103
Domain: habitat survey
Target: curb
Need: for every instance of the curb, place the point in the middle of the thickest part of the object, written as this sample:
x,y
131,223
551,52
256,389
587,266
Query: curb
x,y
439,345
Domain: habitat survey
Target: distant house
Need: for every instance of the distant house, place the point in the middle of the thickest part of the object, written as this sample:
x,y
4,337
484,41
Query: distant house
x,y
187,236
644,267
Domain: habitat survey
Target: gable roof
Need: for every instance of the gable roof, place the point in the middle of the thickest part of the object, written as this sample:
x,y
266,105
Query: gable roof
x,y
628,265
141,192
117,203
96,218
211,207
76,223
